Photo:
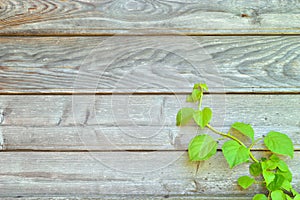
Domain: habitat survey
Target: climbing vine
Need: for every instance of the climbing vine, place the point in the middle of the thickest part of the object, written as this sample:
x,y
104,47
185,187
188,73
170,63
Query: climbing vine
x,y
272,172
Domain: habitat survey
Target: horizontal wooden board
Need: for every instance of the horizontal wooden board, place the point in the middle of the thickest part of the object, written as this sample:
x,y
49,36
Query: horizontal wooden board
x,y
95,138
133,122
169,64
155,17
126,174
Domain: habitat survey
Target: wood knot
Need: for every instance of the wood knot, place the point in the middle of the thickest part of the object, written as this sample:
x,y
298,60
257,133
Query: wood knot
x,y
252,14
244,15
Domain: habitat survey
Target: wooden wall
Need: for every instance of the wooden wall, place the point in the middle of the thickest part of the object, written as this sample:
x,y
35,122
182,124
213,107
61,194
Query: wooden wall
x,y
72,127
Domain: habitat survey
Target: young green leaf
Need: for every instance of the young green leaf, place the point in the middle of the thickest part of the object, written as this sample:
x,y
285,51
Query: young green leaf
x,y
184,115
268,176
245,129
245,181
202,118
282,166
255,169
195,96
286,174
202,147
274,158
260,197
279,143
235,153
278,195
203,86
268,165
276,183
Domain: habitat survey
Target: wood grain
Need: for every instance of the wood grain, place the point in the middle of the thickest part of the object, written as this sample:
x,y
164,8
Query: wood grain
x,y
99,64
90,17
133,122
127,174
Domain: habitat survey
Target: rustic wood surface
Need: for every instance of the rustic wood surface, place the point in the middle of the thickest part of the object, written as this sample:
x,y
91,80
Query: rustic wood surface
x,y
91,17
133,122
131,64
240,64
162,174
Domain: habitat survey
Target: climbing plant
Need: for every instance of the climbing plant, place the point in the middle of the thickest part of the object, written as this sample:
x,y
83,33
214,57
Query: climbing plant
x,y
272,172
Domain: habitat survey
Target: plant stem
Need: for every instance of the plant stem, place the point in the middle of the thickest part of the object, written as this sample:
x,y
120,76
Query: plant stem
x,y
233,138
200,101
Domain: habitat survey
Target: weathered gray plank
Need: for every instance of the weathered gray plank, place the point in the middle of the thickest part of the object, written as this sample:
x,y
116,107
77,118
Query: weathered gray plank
x,y
117,138
138,197
149,64
144,110
133,122
122,17
144,174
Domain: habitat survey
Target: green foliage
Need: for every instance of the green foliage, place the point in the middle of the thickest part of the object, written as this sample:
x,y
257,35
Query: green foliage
x,y
245,181
260,197
235,153
279,143
255,169
245,129
278,195
184,115
275,172
202,147
203,117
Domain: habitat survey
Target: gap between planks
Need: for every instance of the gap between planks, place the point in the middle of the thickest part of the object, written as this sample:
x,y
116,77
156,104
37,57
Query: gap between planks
x,y
286,34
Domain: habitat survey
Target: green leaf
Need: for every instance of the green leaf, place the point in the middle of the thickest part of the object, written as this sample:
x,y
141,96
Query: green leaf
x,y
203,86
260,197
286,174
288,197
202,147
184,115
245,181
268,176
286,185
278,195
276,183
203,117
274,158
279,143
297,197
196,94
245,129
196,86
255,169
268,165
282,166
189,98
235,153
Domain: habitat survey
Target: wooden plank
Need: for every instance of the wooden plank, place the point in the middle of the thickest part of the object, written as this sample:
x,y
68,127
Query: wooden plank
x,y
94,138
133,122
150,64
157,17
127,174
